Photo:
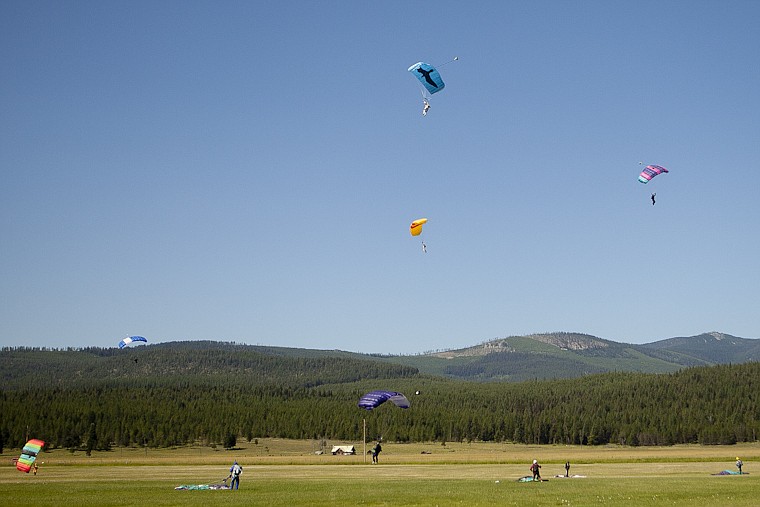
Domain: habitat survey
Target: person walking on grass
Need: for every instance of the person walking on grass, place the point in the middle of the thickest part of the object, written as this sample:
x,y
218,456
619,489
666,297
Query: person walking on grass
x,y
235,471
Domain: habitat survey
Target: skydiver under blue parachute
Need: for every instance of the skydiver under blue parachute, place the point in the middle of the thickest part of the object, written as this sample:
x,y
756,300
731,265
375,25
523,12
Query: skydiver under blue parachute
x,y
430,81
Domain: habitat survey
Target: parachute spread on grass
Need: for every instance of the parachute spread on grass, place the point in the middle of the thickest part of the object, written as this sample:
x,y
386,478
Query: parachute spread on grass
x,y
201,487
650,172
130,339
29,455
416,228
374,399
428,76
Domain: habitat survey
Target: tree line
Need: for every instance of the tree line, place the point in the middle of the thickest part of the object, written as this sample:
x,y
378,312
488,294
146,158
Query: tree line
x,y
206,396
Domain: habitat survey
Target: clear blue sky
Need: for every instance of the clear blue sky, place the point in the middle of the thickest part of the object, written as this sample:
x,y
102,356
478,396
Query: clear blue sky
x,y
247,171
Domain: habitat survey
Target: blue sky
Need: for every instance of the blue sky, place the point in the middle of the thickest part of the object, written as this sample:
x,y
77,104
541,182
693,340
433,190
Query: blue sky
x,y
247,171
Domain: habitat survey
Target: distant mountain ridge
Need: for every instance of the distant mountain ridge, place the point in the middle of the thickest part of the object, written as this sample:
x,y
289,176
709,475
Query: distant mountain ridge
x,y
567,355
561,340
563,355
558,355
709,348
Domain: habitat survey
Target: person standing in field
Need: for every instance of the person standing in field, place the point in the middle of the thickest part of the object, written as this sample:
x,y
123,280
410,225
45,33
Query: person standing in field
x,y
567,469
235,471
376,451
739,464
535,467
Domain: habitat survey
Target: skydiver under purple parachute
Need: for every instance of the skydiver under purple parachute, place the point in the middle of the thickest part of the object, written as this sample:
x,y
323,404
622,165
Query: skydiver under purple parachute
x,y
374,399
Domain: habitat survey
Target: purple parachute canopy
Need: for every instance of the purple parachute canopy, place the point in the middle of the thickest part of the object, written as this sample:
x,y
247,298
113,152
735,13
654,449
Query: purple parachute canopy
x,y
650,172
376,398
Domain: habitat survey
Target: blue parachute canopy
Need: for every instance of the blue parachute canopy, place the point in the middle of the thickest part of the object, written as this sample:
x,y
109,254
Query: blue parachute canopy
x,y
428,76
374,399
130,339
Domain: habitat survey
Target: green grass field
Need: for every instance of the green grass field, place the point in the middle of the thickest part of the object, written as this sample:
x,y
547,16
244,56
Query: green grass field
x,y
287,473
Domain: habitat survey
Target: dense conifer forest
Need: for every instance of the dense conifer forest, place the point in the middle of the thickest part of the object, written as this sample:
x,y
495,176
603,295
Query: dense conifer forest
x,y
212,393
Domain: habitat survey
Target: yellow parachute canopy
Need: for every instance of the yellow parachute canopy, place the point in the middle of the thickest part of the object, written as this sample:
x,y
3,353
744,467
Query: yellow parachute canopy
x,y
416,228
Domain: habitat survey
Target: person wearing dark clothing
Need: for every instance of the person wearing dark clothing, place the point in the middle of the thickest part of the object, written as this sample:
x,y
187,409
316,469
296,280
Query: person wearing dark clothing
x,y
567,469
654,194
375,451
739,464
535,467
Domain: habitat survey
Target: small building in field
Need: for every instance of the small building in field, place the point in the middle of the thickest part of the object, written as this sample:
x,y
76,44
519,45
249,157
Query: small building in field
x,y
343,449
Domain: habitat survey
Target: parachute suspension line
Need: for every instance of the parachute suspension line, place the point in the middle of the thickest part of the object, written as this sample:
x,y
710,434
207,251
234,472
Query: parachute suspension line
x,y
456,58
383,425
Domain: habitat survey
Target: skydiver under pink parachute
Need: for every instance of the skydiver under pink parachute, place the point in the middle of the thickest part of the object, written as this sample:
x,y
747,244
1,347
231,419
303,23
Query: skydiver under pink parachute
x,y
648,173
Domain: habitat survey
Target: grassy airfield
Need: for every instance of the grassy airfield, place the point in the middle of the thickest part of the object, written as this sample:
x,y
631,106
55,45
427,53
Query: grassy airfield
x,y
287,473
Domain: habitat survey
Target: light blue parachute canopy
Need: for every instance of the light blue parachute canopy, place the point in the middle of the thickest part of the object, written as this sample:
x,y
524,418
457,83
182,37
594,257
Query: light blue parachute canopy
x,y
130,339
374,399
428,76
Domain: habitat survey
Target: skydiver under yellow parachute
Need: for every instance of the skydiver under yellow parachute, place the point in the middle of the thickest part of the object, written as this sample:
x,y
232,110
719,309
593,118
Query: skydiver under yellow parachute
x,y
416,229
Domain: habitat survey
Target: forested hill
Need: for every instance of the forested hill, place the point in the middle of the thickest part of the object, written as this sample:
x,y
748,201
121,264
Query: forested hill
x,y
189,362
708,405
515,358
706,348
569,355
